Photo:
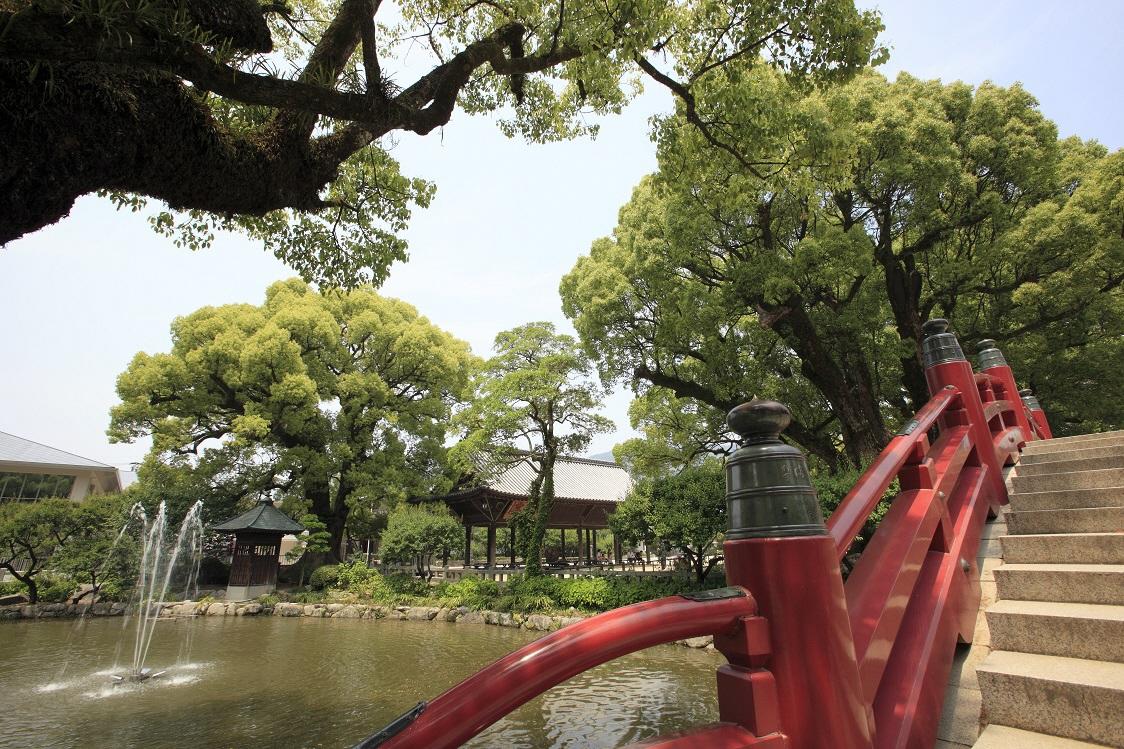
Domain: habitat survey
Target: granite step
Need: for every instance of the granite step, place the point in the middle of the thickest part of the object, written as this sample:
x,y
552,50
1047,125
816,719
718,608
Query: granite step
x,y
1071,630
1069,583
1080,520
1068,499
1073,698
1049,482
1064,548
1005,737
1107,439
1069,465
1075,453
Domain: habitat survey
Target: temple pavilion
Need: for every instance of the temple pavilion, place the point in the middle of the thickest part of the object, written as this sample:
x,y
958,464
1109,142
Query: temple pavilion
x,y
257,547
586,493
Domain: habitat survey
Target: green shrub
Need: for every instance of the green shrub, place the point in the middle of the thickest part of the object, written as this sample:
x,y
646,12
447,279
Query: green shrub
x,y
590,593
55,590
473,592
112,590
529,594
354,576
12,587
406,585
268,600
323,577
307,596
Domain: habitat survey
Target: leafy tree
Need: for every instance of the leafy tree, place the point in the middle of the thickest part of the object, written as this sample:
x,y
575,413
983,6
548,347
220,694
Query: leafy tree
x,y
416,533
315,542
30,532
796,259
97,553
320,399
534,402
632,520
276,119
686,510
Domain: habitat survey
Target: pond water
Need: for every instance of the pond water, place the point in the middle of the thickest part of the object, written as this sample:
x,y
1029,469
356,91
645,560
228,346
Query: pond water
x,y
296,682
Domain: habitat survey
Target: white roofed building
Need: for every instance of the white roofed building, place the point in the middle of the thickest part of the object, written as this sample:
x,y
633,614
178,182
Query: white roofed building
x,y
586,492
30,471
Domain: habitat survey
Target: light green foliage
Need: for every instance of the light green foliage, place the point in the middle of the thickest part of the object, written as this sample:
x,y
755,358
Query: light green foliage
x,y
534,401
29,533
797,258
331,401
415,534
315,541
473,592
94,555
319,110
688,511
324,576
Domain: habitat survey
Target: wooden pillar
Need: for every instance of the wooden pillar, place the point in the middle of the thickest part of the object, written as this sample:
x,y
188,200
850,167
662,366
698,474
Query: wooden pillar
x,y
491,545
593,544
468,545
581,546
563,532
511,542
618,556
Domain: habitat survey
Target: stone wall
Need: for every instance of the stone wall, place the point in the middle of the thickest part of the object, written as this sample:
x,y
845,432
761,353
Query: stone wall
x,y
462,614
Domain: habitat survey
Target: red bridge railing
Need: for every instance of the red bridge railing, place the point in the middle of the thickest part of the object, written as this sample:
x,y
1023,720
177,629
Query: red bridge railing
x,y
813,662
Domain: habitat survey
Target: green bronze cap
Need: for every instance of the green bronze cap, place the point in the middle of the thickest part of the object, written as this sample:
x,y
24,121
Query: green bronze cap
x,y
1028,398
988,355
768,490
939,345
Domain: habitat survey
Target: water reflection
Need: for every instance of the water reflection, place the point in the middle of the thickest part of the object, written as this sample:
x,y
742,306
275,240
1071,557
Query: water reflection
x,y
314,683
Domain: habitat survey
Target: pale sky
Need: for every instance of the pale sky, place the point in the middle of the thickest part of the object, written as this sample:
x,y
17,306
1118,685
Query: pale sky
x,y
80,298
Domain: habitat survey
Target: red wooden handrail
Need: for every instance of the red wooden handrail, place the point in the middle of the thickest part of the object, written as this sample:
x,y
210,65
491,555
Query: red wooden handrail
x,y
849,517
482,699
861,665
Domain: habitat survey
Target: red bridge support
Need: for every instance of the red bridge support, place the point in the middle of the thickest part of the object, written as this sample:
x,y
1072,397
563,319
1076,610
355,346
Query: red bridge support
x,y
813,662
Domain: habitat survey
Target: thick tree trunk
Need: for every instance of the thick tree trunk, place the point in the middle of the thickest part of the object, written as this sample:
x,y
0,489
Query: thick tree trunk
x,y
844,381
539,509
903,287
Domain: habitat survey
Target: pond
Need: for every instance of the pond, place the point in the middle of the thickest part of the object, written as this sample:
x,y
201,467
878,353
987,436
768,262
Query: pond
x,y
297,682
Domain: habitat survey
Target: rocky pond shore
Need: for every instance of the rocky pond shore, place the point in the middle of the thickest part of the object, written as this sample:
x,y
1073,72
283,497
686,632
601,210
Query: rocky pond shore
x,y
187,609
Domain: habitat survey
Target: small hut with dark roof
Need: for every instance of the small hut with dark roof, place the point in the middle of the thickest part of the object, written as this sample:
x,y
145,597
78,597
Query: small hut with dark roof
x,y
257,546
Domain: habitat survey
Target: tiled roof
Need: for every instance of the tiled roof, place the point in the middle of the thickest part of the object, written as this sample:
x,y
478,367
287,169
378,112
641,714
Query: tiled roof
x,y
574,478
265,517
15,449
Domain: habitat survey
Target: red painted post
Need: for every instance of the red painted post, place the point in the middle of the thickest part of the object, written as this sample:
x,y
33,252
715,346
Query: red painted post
x,y
779,548
946,365
1036,412
991,361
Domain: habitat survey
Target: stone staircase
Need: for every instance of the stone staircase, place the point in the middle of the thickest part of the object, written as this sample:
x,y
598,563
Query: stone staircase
x,y
1054,678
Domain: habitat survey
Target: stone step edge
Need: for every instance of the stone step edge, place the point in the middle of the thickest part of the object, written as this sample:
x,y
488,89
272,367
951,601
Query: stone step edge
x,y
1103,612
1056,669
1077,438
996,736
1044,497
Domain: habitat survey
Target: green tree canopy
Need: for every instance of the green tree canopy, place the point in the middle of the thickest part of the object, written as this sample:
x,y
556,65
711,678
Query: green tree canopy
x,y
277,119
415,533
796,259
535,400
323,399
686,510
30,532
97,553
